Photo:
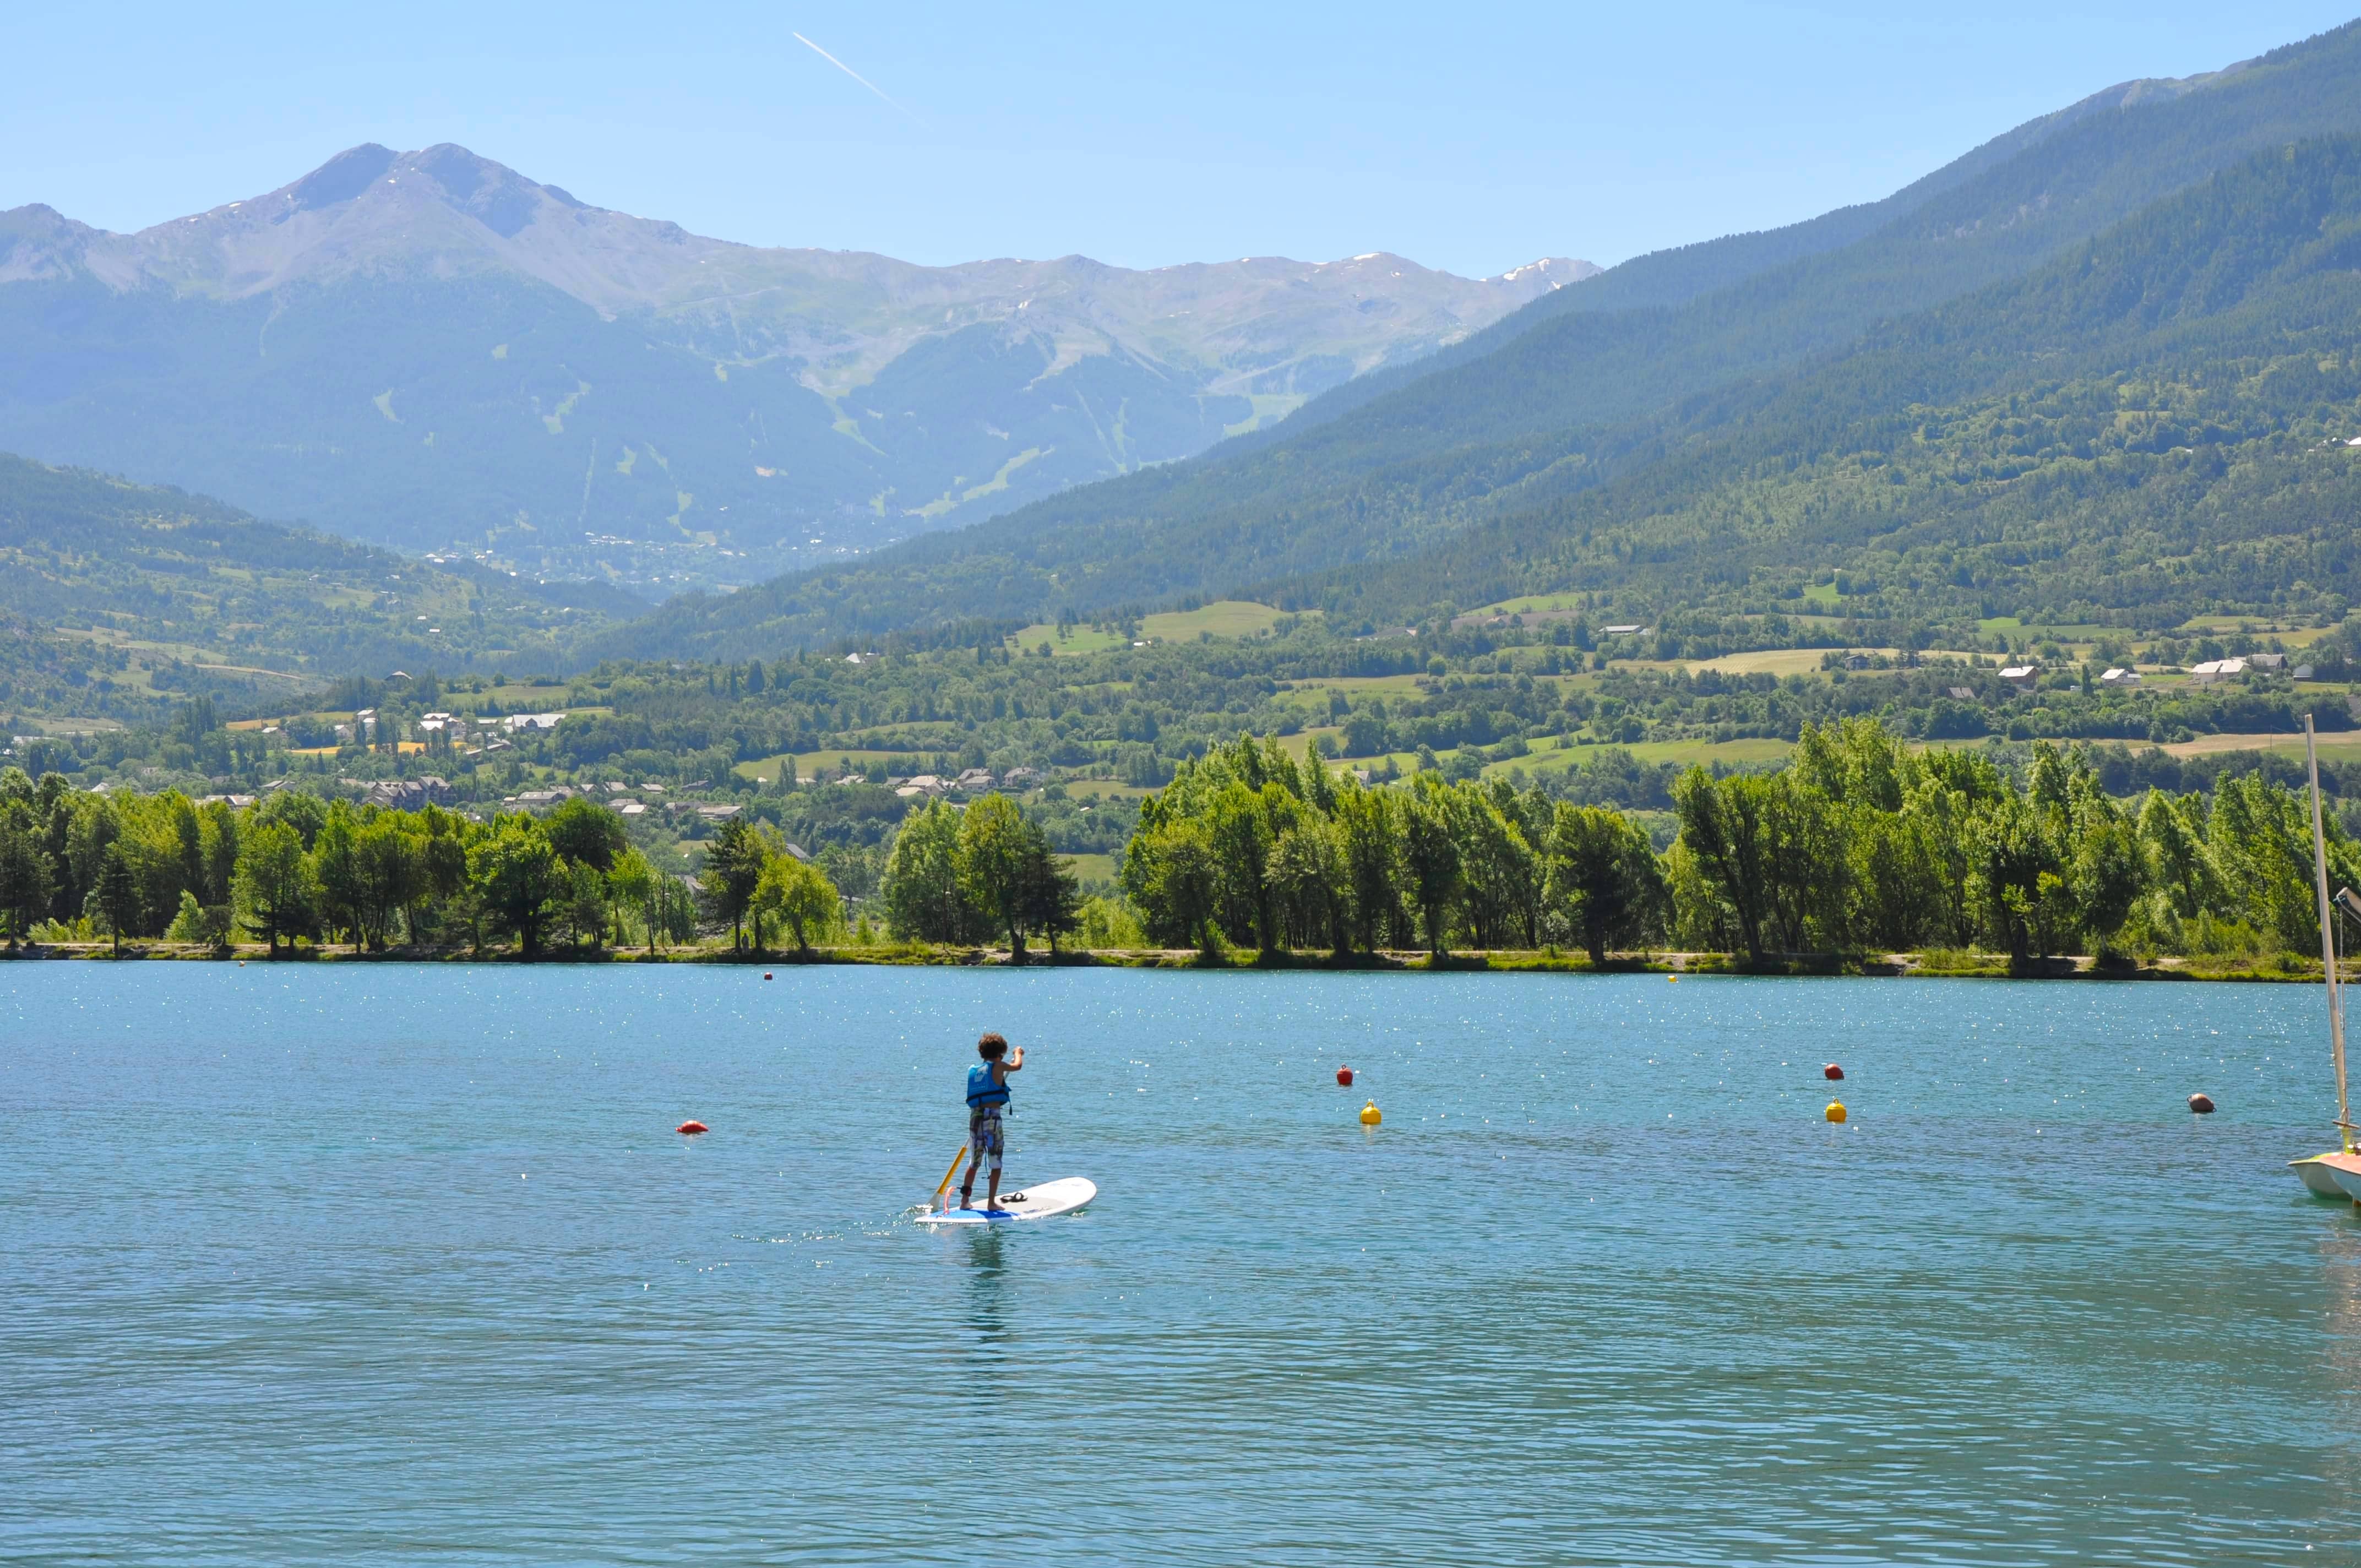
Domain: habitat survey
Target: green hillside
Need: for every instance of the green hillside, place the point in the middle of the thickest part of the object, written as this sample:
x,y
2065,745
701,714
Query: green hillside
x,y
116,598
1585,398
1667,278
2152,426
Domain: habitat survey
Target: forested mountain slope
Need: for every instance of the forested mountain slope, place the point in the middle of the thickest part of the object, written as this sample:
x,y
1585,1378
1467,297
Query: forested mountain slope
x,y
1664,279
2165,419
114,596
1570,403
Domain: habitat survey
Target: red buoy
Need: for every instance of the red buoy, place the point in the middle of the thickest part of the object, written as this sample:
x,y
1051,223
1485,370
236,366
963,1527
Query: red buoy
x,y
693,1128
1345,1076
2200,1105
1832,1072
766,974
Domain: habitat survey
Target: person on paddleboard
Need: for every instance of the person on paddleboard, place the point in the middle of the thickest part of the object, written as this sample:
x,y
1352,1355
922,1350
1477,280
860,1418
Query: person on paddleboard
x,y
987,1098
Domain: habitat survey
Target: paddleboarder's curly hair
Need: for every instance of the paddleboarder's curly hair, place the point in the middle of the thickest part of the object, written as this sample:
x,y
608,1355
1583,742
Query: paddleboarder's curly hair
x,y
992,1047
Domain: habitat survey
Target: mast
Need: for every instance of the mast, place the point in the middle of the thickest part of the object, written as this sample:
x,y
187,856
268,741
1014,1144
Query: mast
x,y
2327,941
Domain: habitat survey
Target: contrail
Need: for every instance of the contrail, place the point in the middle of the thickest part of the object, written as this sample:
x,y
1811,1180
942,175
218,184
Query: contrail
x,y
846,68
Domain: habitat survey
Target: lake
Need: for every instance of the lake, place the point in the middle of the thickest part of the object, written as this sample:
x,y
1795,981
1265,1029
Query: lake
x,y
379,1263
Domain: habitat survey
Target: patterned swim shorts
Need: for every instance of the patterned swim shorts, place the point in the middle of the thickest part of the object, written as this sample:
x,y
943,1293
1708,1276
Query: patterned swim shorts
x,y
983,1139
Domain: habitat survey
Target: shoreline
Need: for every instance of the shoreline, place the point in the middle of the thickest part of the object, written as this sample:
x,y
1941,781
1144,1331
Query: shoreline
x,y
2274,969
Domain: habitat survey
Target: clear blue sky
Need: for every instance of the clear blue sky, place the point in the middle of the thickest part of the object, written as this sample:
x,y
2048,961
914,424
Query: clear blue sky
x,y
1472,137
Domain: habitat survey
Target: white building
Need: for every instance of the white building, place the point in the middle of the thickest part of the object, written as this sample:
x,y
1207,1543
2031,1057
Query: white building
x,y
2216,670
2120,678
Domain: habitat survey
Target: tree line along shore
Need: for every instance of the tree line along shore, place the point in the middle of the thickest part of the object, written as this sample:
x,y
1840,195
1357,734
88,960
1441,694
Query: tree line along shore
x,y
1863,855
2277,968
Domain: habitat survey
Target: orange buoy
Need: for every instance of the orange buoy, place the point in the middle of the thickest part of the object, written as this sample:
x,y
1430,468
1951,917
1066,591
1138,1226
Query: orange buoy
x,y
1832,1072
693,1128
2200,1105
1345,1076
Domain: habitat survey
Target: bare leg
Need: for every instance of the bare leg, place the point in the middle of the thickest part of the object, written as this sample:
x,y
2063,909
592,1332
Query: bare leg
x,y
992,1200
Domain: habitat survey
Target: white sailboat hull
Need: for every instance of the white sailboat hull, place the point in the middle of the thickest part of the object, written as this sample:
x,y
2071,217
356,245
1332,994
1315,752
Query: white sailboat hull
x,y
2322,1178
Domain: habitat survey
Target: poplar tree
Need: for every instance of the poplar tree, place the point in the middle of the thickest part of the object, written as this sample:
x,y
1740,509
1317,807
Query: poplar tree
x,y
272,887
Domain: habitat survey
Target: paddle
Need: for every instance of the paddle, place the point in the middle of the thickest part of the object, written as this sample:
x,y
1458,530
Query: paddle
x,y
944,1186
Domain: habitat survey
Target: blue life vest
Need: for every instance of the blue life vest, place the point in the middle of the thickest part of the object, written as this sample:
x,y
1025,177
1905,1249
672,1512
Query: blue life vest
x,y
981,1089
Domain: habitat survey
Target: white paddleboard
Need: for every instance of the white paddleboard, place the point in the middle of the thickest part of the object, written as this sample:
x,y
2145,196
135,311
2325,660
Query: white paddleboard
x,y
1036,1202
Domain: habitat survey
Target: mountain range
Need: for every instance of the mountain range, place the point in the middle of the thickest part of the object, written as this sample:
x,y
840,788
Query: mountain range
x,y
2104,368
1578,423
428,350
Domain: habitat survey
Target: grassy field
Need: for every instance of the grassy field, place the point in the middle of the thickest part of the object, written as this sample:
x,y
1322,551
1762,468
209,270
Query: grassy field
x,y
1091,867
63,724
1762,661
2345,745
766,769
1103,789
1298,744
2260,626
1223,617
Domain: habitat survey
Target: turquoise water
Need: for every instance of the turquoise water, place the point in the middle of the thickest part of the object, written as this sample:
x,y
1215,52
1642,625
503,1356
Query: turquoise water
x,y
392,1265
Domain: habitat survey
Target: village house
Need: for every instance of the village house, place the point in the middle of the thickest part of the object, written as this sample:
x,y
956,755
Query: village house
x,y
408,794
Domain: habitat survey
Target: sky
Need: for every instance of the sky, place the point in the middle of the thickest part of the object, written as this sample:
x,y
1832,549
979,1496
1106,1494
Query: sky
x,y
1472,138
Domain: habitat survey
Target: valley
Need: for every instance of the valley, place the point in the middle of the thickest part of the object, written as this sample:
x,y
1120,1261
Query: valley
x,y
2051,452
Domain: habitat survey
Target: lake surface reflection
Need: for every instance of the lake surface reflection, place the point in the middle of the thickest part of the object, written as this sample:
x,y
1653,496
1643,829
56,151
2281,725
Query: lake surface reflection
x,y
385,1264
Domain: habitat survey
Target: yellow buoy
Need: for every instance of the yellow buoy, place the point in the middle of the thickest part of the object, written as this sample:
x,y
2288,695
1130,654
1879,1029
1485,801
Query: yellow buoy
x,y
1370,1115
1836,1111
1672,980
